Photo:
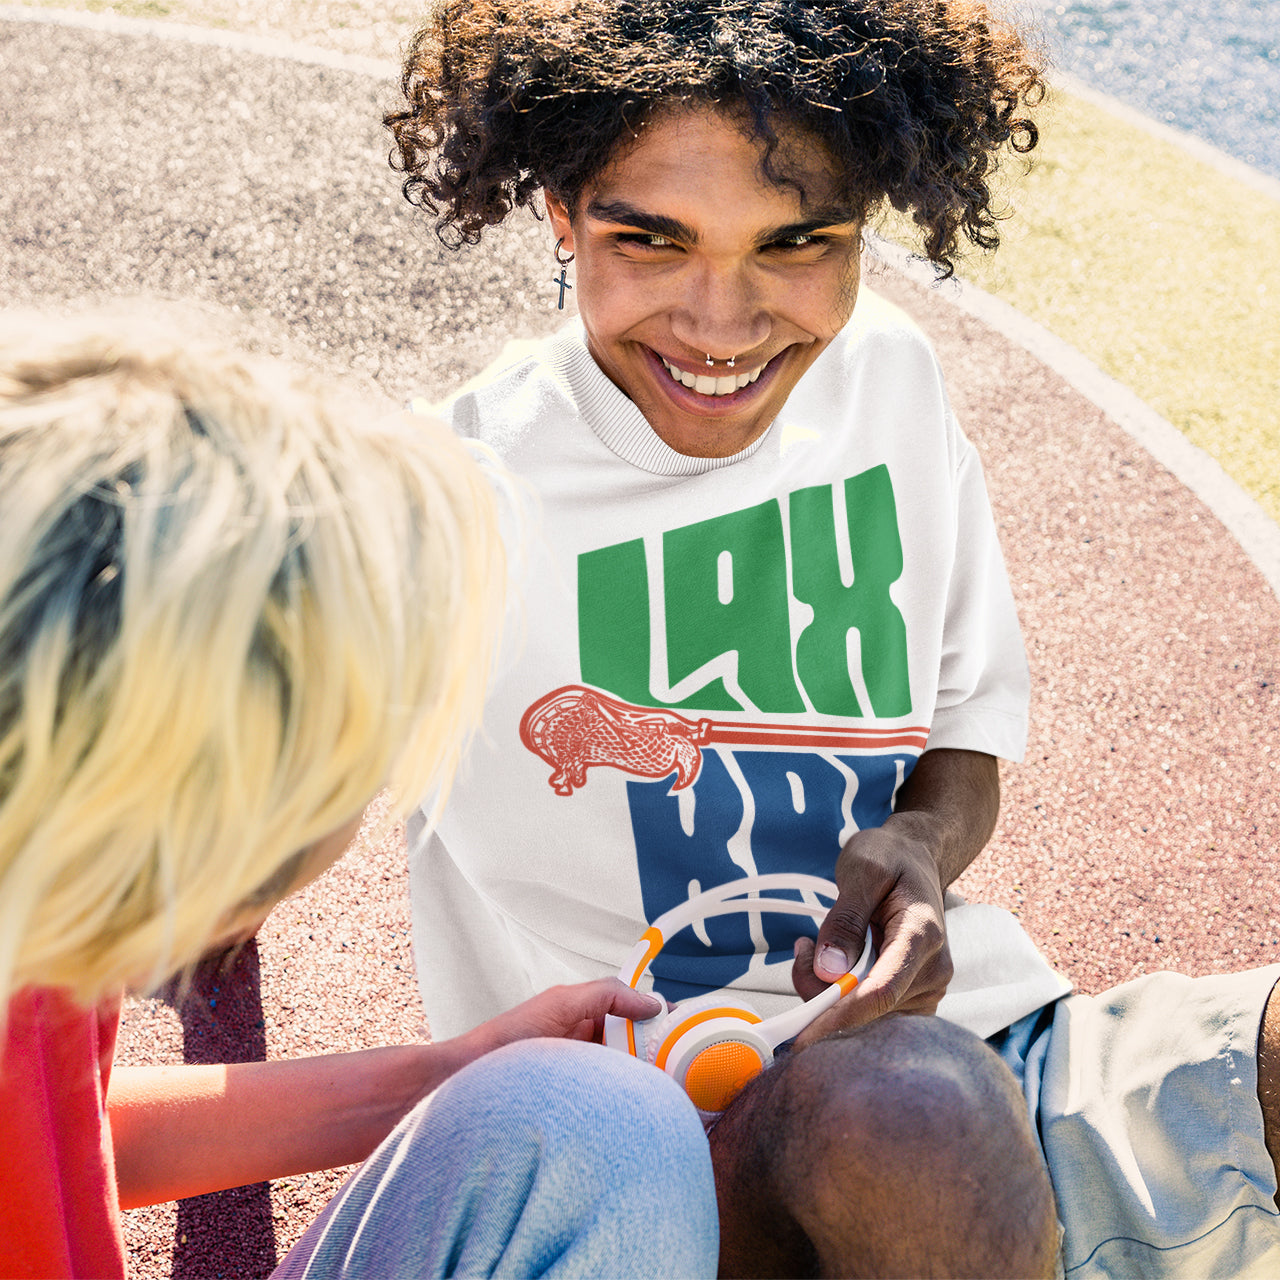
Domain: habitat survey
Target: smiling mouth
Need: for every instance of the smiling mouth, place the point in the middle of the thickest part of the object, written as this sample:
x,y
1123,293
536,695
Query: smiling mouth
x,y
706,385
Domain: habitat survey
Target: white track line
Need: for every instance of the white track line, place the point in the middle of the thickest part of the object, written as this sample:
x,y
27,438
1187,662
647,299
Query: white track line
x,y
1256,532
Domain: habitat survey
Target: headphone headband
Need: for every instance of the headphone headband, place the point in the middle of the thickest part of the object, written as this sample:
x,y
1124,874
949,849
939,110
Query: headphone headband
x,y
726,899
714,1044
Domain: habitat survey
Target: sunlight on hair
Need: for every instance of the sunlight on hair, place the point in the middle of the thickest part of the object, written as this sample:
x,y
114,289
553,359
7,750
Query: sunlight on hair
x,y
232,608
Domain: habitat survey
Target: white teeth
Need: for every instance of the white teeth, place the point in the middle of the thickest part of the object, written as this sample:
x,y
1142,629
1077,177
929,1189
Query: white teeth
x,y
705,385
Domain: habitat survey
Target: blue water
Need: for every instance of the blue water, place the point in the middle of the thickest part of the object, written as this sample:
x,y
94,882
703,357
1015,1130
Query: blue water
x,y
1210,67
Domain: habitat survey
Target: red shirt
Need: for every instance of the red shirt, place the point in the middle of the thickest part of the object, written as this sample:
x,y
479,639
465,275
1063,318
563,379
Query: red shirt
x,y
59,1208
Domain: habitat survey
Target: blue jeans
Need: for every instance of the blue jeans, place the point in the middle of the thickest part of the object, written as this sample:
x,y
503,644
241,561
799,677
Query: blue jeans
x,y
547,1157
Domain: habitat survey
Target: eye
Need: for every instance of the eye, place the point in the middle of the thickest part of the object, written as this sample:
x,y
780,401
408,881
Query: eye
x,y
802,240
645,240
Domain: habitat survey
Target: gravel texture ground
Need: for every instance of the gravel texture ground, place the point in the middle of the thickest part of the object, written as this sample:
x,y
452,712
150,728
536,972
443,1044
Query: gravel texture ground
x,y
1129,240
1138,834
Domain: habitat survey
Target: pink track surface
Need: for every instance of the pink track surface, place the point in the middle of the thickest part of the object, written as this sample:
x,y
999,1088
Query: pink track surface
x,y
1139,834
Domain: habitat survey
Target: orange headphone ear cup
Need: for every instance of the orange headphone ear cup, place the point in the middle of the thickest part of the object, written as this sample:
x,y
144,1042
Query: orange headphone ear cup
x,y
708,1045
718,1059
716,1074
689,1013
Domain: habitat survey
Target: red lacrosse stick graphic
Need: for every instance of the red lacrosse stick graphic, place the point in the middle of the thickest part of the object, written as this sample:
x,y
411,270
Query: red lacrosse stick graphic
x,y
574,728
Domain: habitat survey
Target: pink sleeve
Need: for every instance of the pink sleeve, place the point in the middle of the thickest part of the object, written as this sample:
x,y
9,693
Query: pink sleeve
x,y
59,1209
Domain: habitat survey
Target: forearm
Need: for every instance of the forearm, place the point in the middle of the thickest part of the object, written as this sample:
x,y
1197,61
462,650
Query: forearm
x,y
950,803
183,1130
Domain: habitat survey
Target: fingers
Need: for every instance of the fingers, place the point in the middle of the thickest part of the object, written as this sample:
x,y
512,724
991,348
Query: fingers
x,y
591,1001
870,869
568,1006
910,974
574,1012
806,982
625,1002
893,986
913,966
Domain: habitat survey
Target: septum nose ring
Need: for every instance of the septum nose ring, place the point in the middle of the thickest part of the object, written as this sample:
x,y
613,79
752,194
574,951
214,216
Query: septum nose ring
x,y
730,362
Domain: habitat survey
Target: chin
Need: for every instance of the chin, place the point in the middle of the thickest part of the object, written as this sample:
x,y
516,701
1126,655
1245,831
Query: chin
x,y
710,438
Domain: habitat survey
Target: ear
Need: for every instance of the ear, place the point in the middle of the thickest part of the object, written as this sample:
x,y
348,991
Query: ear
x,y
561,223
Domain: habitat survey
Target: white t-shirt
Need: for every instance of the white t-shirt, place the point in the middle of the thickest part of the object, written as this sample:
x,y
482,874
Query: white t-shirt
x,y
716,667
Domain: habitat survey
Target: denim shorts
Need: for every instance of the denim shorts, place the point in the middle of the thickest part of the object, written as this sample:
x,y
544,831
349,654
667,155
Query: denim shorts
x,y
1145,1101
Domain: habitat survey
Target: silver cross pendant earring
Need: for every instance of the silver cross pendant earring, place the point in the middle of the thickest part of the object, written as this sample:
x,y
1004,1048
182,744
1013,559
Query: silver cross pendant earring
x,y
560,280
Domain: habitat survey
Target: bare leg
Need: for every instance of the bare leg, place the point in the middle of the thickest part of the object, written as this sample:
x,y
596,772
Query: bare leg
x,y
899,1149
1269,1078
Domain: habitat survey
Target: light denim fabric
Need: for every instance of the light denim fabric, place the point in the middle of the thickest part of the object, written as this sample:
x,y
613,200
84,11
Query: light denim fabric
x,y
544,1158
1145,1101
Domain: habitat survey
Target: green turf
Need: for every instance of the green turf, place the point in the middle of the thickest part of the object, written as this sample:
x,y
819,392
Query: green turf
x,y
1160,268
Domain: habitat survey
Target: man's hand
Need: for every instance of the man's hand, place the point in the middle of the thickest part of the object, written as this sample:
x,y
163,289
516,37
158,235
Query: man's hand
x,y
888,883
891,880
570,1013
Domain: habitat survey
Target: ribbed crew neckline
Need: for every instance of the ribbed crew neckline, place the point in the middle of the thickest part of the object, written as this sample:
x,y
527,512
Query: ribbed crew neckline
x,y
616,421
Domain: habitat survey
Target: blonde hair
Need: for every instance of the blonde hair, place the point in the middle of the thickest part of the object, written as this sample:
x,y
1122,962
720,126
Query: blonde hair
x,y
229,614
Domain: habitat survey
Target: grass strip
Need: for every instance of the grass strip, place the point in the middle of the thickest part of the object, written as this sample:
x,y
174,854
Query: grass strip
x,y
1160,268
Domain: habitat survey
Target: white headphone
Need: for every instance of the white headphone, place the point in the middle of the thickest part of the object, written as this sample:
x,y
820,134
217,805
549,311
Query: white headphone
x,y
713,1044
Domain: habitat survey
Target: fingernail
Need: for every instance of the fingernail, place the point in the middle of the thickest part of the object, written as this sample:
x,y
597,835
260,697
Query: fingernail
x,y
657,1009
832,960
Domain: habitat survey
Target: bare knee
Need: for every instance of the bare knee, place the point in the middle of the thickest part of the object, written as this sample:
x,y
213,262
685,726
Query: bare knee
x,y
902,1148
759,1235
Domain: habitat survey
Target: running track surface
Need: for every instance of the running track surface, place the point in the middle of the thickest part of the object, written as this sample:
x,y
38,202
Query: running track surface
x,y
1137,835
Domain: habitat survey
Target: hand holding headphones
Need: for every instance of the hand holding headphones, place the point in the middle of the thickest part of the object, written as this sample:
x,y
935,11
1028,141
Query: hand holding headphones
x,y
714,1044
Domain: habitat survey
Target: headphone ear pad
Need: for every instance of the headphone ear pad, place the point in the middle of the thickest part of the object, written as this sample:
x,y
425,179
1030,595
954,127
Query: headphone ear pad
x,y
716,1070
709,1046
666,1029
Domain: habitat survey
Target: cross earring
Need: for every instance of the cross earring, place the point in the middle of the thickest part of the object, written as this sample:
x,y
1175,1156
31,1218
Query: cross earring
x,y
560,280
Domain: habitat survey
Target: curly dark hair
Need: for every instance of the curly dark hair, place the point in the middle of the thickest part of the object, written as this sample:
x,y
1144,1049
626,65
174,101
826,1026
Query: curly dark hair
x,y
912,98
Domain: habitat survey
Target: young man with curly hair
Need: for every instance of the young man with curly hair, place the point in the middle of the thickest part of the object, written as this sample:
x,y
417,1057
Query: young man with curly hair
x,y
767,626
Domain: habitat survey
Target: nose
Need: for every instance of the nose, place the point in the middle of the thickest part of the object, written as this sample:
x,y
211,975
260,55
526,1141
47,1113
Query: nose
x,y
721,311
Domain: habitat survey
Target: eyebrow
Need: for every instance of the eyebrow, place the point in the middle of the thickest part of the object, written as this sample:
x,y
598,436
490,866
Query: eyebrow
x,y
621,213
624,214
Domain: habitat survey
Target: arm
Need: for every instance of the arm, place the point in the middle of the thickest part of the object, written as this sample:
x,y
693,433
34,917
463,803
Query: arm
x,y
892,877
184,1130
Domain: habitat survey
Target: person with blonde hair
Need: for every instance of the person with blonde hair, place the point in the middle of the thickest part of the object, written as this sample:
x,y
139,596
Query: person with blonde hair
x,y
231,611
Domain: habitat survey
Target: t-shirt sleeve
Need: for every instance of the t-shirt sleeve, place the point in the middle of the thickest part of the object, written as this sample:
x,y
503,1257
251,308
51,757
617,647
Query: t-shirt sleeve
x,y
59,1207
984,684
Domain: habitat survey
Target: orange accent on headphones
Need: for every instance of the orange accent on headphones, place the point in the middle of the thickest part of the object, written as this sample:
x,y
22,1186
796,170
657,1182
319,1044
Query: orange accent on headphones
x,y
653,937
694,1019
717,1075
714,1045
